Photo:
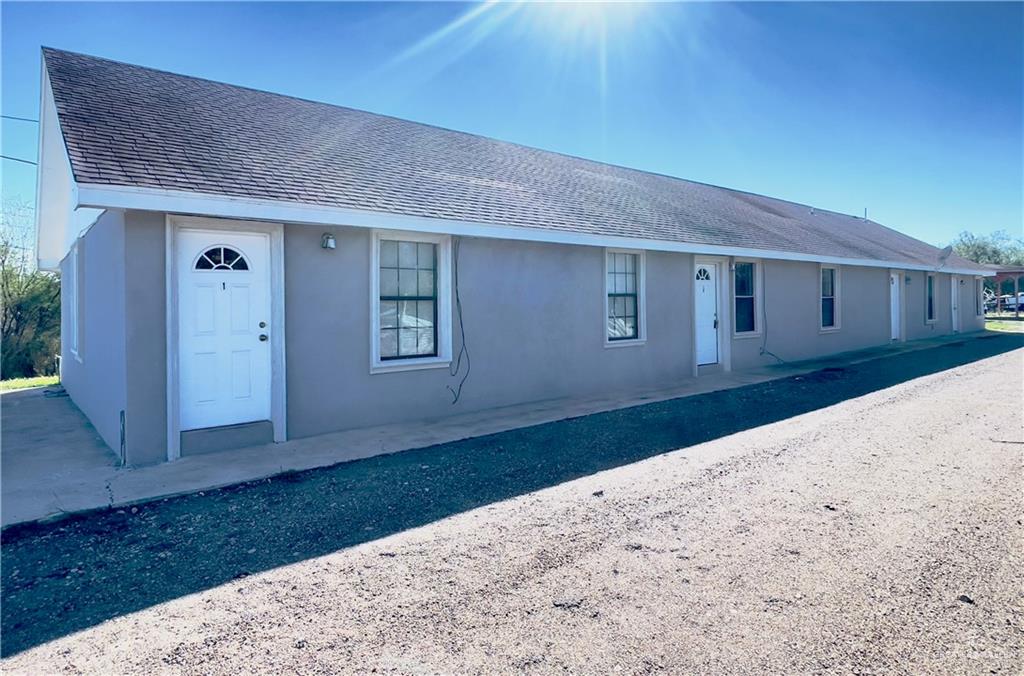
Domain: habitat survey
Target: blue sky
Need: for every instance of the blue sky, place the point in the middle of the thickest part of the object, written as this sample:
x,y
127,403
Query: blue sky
x,y
912,110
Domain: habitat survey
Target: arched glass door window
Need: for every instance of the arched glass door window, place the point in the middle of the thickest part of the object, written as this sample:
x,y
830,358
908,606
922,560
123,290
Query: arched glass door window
x,y
703,274
221,258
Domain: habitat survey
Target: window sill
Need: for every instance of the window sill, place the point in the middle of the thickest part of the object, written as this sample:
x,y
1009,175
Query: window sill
x,y
746,334
829,329
635,342
931,321
411,365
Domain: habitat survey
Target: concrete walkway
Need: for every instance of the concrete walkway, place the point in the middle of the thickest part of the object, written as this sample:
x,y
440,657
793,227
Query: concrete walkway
x,y
53,463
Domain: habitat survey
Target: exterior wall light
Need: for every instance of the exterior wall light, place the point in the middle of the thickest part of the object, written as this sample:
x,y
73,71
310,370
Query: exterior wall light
x,y
907,279
328,241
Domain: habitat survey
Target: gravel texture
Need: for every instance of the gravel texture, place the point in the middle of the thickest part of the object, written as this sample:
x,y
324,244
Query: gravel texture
x,y
857,520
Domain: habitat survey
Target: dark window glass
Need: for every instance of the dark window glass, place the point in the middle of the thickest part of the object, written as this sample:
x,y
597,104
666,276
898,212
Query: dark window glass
x,y
743,291
828,312
828,297
744,279
408,299
744,315
622,288
221,258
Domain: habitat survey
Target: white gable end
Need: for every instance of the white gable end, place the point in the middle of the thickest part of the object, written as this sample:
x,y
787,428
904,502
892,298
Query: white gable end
x,y
58,221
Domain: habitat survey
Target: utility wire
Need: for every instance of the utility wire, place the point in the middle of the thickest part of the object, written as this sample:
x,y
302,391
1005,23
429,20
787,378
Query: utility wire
x,y
17,159
764,322
22,119
453,370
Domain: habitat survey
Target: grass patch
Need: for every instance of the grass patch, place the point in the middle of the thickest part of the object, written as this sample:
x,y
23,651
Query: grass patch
x,y
23,383
1009,326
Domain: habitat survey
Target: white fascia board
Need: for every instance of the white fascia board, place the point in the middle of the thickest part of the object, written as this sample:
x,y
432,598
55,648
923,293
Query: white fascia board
x,y
47,263
56,190
226,206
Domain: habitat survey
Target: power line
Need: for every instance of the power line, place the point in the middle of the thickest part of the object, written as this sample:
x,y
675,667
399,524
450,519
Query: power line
x,y
15,117
18,159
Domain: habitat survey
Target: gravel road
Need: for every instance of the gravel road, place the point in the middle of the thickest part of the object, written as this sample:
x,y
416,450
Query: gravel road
x,y
881,533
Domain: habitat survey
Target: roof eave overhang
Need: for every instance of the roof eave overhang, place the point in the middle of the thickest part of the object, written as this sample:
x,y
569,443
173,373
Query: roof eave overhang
x,y
58,221
225,206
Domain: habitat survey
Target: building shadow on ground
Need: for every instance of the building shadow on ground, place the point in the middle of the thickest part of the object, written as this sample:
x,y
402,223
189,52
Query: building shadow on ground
x,y
63,577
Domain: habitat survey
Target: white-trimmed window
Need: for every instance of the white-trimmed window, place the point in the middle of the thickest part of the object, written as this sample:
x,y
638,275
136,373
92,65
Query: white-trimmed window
x,y
829,298
411,301
624,297
929,299
746,297
979,297
71,286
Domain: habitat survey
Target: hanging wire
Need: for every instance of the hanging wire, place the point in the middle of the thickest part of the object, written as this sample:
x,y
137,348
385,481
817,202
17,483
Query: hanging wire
x,y
20,119
463,349
764,320
17,159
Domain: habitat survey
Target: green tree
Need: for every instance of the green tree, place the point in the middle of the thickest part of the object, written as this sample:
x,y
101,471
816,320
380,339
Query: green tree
x,y
999,248
29,300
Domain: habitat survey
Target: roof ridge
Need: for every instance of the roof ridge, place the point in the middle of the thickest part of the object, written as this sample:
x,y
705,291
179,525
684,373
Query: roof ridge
x,y
602,163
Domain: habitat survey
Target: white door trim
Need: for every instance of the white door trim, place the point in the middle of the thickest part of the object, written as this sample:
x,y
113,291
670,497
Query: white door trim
x,y
901,322
278,380
954,303
723,279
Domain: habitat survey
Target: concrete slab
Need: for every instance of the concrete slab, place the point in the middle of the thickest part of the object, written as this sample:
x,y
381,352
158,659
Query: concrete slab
x,y
51,459
54,463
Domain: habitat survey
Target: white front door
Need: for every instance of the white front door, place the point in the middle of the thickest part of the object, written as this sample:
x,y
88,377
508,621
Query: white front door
x,y
954,301
705,291
894,305
223,323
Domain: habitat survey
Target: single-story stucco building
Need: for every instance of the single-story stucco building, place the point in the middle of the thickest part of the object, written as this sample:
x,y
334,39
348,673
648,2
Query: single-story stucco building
x,y
239,267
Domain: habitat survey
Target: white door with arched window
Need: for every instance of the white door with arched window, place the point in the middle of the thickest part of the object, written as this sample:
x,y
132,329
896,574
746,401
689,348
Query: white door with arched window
x,y
224,314
705,290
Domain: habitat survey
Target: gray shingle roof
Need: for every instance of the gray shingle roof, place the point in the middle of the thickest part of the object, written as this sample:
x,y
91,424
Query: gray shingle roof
x,y
126,125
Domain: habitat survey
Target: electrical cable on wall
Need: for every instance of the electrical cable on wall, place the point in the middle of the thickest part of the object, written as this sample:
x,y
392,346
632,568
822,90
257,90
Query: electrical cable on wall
x,y
463,349
764,323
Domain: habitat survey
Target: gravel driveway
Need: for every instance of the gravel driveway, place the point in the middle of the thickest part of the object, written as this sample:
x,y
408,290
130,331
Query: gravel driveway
x,y
881,533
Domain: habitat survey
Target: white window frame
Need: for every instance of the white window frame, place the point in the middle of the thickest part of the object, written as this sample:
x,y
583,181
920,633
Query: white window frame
x,y
641,299
74,304
979,297
935,298
837,286
758,297
444,304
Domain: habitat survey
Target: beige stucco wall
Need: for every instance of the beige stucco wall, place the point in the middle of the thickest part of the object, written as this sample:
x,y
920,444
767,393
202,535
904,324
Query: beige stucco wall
x,y
145,337
534,321
791,328
95,377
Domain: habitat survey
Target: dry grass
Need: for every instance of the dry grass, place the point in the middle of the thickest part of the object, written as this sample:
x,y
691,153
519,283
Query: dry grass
x,y
26,383
1007,324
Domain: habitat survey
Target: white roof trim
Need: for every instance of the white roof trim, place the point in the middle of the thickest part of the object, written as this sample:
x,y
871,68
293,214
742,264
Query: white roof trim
x,y
202,204
56,192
